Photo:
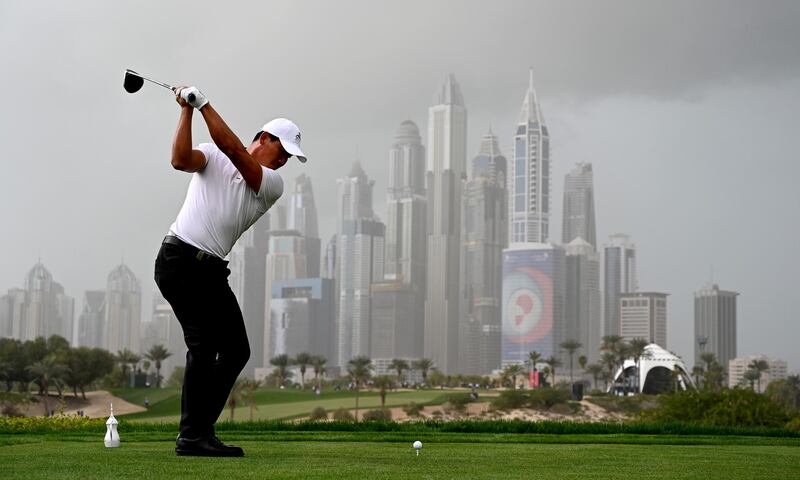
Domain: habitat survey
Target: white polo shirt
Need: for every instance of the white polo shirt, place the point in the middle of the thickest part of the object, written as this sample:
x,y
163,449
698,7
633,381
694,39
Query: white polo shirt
x,y
219,206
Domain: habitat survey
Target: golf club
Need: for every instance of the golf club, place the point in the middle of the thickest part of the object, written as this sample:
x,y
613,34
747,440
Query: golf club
x,y
133,83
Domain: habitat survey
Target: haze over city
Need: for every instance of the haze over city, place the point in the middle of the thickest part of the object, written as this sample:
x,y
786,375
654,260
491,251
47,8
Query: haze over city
x,y
687,112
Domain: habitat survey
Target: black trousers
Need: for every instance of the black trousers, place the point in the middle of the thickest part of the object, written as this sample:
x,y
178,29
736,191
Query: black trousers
x,y
213,328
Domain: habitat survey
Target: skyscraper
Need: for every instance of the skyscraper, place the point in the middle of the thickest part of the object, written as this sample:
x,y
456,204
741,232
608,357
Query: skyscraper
x,y
123,311
91,323
579,205
582,307
12,313
446,170
47,311
286,260
247,263
715,324
484,236
644,315
406,208
620,277
529,185
302,317
360,257
302,216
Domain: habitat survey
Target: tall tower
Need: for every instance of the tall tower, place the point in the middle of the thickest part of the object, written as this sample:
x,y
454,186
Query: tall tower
x,y
302,216
92,319
582,308
123,310
406,208
715,324
620,277
446,165
579,205
360,257
485,235
644,315
529,185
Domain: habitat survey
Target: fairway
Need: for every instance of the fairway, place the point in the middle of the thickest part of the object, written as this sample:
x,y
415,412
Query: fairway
x,y
396,461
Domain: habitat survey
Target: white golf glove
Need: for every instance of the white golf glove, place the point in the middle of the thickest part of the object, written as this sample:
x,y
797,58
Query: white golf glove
x,y
194,97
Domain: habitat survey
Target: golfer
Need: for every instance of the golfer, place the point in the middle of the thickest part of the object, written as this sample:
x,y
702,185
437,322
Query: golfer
x,y
231,187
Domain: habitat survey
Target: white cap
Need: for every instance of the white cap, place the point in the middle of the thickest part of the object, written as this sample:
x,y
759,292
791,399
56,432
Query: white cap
x,y
289,135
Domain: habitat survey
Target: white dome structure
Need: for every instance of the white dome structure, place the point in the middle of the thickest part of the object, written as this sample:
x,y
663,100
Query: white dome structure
x,y
661,371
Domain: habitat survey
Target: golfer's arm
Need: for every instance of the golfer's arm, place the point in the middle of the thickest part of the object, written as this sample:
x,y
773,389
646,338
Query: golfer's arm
x,y
184,158
232,147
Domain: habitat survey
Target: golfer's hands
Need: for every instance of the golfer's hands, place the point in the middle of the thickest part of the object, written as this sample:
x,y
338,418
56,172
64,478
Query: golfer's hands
x,y
190,96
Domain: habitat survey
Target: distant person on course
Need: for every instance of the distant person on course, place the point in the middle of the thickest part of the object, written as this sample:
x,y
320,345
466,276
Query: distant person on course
x,y
231,187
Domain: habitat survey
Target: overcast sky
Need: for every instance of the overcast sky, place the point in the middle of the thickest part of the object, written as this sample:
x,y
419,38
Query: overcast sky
x,y
688,111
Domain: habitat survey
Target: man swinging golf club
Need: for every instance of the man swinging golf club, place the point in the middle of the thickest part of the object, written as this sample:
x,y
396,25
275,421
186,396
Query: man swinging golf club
x,y
231,187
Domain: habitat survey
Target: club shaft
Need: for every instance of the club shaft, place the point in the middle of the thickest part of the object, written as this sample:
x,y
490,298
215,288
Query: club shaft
x,y
157,82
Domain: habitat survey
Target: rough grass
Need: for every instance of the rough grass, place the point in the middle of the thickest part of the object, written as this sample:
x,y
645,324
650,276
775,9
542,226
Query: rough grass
x,y
397,461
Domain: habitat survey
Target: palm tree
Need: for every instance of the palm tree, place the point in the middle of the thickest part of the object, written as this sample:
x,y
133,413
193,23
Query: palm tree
x,y
637,348
511,371
46,372
303,360
623,353
594,369
697,372
609,361
582,361
553,362
751,375
571,346
281,364
610,343
399,365
127,358
157,354
249,388
534,358
424,365
708,358
383,383
759,365
318,363
358,369
236,396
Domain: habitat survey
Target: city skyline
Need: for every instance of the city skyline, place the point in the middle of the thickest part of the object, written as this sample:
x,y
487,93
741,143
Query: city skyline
x,y
675,186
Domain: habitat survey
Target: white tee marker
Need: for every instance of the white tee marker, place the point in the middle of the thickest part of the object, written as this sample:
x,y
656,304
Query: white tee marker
x,y
112,437
417,446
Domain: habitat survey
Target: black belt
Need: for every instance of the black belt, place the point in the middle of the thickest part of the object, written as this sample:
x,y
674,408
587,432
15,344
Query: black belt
x,y
190,249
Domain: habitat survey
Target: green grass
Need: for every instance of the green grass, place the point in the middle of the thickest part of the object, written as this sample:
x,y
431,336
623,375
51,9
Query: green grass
x,y
273,403
345,459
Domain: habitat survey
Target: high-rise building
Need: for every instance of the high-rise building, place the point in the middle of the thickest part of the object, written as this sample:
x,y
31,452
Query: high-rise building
x,y
40,304
286,259
91,323
65,314
644,315
738,366
582,308
302,216
12,313
579,205
123,311
359,262
329,264
620,277
446,170
247,263
529,182
533,301
406,205
484,236
397,320
302,317
715,324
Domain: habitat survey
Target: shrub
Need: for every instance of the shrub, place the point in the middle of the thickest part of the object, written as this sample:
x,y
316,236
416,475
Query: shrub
x,y
546,398
456,404
318,413
11,410
728,407
378,415
509,399
794,424
413,410
343,415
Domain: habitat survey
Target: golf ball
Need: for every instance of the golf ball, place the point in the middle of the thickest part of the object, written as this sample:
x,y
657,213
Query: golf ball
x,y
417,444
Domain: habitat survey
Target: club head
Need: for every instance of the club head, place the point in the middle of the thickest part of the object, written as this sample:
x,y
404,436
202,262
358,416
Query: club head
x,y
133,82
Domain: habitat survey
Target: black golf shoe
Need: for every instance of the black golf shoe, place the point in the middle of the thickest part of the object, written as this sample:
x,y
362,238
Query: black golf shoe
x,y
205,447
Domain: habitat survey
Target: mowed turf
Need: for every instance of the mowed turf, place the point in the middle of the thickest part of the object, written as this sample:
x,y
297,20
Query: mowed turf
x,y
275,404
87,458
